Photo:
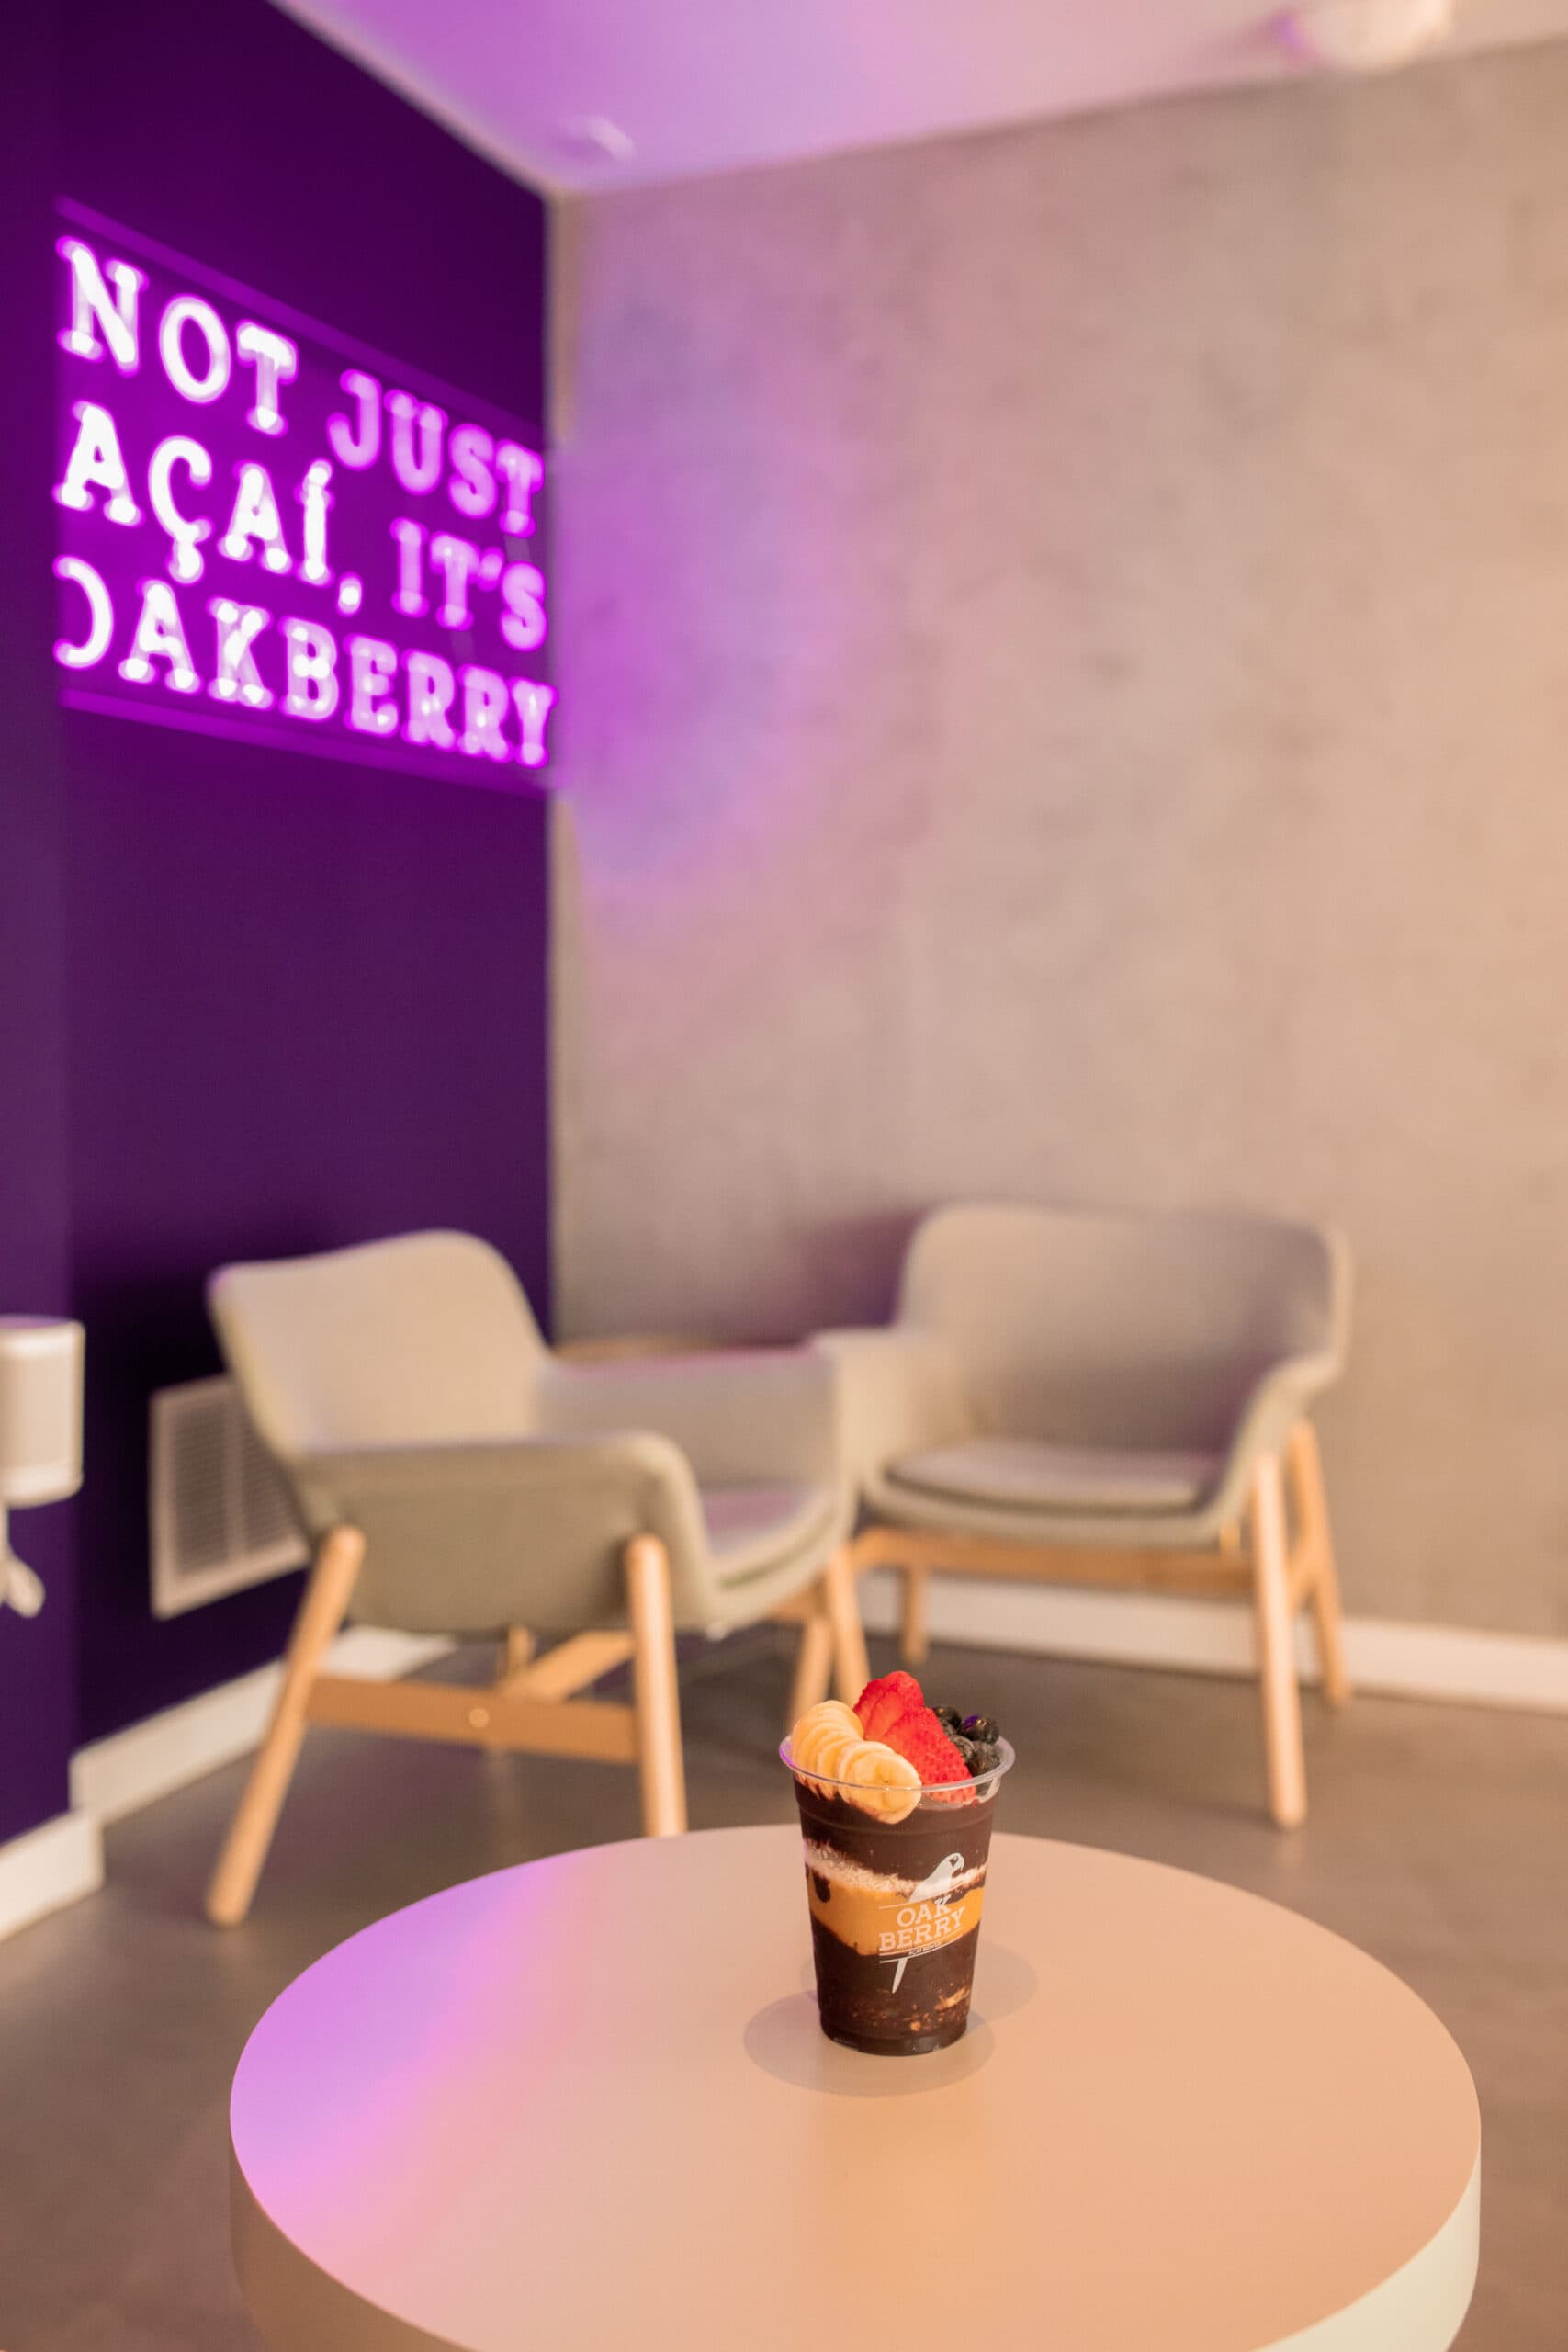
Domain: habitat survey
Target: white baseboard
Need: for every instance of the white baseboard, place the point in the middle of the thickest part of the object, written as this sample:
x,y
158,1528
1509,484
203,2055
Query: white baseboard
x,y
1463,1662
149,1760
1456,1662
50,1866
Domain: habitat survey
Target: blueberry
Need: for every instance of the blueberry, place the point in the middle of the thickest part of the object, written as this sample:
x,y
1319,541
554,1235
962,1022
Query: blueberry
x,y
982,1727
949,1718
966,1749
984,1757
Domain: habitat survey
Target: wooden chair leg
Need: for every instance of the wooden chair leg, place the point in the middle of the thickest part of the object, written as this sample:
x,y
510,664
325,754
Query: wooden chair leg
x,y
1282,1752
517,1648
813,1663
851,1667
658,1697
256,1817
915,1636
1308,1494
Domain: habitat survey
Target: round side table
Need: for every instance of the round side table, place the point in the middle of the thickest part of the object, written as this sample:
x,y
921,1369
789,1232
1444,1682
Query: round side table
x,y
586,2103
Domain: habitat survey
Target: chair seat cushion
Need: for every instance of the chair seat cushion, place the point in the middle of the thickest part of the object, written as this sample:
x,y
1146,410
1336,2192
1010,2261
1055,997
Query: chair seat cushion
x,y
1028,1474
753,1528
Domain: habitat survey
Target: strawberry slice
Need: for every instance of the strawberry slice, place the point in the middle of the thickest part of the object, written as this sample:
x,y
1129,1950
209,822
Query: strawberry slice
x,y
918,1737
882,1702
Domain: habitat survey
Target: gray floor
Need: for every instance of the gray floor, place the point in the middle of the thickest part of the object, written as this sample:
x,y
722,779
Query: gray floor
x,y
1437,1841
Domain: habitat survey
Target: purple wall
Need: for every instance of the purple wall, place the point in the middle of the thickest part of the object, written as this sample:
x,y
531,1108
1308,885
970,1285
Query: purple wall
x,y
307,1006
262,1002
37,1659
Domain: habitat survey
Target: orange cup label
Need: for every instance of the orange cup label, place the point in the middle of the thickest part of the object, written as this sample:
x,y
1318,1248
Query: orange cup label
x,y
885,1929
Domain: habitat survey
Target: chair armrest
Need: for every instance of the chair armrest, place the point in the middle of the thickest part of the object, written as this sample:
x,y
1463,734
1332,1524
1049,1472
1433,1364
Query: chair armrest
x,y
472,1537
335,1484
900,1390
1277,1400
753,1416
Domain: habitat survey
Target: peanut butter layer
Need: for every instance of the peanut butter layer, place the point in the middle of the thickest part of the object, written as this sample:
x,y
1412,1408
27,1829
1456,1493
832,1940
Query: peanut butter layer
x,y
881,1923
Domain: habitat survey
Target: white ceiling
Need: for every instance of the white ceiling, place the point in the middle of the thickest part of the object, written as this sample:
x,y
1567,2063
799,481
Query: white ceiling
x,y
711,85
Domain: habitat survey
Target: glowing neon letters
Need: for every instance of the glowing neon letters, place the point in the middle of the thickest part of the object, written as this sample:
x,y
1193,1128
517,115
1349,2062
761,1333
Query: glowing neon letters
x,y
185,532
100,616
256,527
95,312
95,463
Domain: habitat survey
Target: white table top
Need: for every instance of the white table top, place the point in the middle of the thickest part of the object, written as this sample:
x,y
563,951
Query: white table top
x,y
585,2104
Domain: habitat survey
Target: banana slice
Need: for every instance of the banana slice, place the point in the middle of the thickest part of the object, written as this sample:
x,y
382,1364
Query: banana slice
x,y
879,1781
831,1715
823,1732
829,1755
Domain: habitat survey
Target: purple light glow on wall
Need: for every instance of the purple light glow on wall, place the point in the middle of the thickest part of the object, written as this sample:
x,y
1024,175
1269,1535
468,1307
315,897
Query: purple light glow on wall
x,y
255,537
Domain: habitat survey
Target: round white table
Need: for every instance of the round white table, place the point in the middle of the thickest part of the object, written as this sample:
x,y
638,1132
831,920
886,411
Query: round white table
x,y
585,2104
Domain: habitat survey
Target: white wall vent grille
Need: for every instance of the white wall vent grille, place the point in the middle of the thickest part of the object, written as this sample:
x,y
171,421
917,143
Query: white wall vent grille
x,y
222,1517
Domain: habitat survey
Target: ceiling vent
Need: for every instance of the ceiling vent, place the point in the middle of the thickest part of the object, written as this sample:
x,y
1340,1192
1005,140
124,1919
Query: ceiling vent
x,y
1364,36
222,1517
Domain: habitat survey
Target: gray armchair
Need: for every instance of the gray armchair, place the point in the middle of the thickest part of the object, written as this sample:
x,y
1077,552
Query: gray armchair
x,y
1099,1400
457,1478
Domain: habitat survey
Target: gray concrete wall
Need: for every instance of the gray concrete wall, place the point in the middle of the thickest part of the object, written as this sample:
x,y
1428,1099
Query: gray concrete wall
x,y
1065,696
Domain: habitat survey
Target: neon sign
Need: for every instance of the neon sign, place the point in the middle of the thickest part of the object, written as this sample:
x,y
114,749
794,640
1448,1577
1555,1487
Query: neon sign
x,y
262,530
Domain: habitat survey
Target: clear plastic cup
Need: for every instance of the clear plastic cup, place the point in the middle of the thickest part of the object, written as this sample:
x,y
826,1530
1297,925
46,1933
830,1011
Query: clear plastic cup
x,y
895,1908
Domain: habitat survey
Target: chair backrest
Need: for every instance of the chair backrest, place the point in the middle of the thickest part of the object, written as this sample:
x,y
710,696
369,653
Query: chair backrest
x,y
1122,1330
424,1340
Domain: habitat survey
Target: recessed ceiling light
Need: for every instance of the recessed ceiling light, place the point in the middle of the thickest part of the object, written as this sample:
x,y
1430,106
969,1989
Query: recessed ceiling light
x,y
1364,36
596,135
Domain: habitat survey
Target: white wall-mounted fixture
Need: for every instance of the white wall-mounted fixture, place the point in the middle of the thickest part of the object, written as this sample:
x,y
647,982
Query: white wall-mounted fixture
x,y
40,1432
1364,36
